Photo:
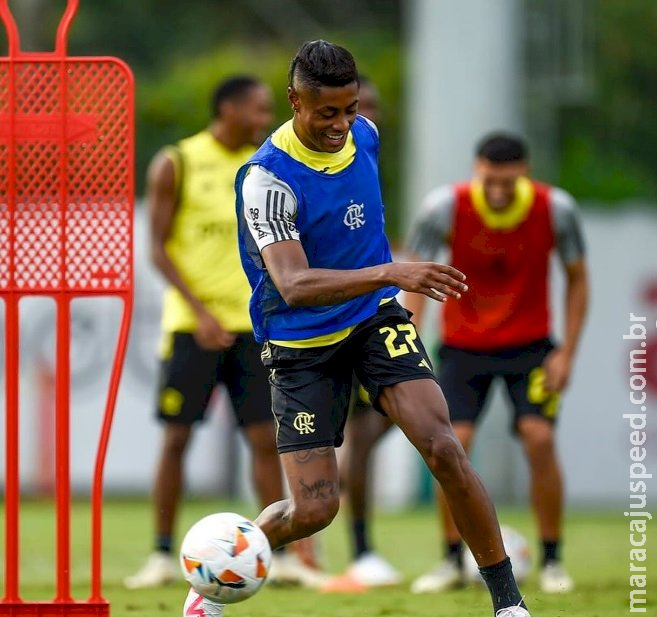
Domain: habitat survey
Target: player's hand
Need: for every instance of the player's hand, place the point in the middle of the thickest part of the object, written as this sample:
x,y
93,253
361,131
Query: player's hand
x,y
557,365
209,333
437,281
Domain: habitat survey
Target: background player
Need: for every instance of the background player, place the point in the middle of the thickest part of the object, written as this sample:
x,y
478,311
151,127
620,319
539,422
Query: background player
x,y
207,337
501,229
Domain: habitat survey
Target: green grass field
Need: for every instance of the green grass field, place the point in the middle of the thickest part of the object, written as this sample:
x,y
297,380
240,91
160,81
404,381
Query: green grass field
x,y
597,554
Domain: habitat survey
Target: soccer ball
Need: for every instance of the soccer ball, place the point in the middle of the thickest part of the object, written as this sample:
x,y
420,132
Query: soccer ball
x,y
517,548
225,557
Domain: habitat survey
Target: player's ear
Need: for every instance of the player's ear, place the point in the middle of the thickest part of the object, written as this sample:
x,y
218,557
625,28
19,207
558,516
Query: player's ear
x,y
227,109
293,97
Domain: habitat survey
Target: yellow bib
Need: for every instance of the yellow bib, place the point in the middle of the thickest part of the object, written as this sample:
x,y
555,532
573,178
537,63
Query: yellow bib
x,y
203,239
511,216
284,138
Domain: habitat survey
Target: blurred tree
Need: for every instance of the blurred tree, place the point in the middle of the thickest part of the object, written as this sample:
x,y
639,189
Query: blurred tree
x,y
609,145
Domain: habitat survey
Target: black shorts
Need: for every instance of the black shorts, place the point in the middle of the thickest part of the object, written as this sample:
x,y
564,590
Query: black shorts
x,y
189,375
360,400
311,387
466,376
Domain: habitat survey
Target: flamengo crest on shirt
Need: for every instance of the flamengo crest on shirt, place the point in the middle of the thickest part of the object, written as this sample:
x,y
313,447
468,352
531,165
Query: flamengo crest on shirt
x,y
354,217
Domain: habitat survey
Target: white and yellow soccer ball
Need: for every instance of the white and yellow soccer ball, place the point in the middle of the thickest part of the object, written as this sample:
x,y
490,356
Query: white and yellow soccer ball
x,y
225,557
517,548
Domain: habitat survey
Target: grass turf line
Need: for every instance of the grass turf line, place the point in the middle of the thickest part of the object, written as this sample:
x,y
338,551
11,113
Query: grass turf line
x,y
596,553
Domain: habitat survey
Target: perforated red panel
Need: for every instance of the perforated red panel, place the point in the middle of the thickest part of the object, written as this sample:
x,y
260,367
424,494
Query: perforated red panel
x,y
66,176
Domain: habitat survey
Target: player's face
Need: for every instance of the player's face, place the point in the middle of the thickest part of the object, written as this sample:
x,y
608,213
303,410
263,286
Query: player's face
x,y
499,180
254,114
368,104
324,116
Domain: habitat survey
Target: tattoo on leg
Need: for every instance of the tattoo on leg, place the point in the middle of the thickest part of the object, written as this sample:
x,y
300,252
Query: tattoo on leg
x,y
304,456
322,489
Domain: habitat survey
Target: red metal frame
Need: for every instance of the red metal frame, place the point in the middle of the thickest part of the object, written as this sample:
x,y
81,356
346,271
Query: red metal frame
x,y
66,210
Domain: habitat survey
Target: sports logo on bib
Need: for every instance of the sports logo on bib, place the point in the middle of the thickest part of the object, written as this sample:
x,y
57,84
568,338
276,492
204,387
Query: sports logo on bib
x,y
354,217
304,423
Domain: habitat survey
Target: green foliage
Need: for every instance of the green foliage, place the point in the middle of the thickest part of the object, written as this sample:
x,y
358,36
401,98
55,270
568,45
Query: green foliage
x,y
609,145
174,102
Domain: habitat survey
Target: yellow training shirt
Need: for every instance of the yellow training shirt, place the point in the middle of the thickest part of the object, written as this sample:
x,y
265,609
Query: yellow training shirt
x,y
203,239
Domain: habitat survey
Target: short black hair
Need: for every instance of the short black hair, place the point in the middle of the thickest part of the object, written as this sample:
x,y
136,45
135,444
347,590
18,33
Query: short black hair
x,y
502,148
231,89
320,63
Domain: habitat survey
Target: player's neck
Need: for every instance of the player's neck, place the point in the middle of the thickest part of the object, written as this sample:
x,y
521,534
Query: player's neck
x,y
227,137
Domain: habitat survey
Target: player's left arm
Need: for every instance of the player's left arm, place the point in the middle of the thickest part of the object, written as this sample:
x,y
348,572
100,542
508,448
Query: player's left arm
x,y
570,246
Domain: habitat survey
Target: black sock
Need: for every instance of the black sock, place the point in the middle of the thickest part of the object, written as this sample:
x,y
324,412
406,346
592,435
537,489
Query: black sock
x,y
361,545
163,543
502,585
454,552
550,551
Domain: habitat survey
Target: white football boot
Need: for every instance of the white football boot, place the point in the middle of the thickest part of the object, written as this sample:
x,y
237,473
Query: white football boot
x,y
372,570
513,611
287,569
160,569
446,575
554,579
198,606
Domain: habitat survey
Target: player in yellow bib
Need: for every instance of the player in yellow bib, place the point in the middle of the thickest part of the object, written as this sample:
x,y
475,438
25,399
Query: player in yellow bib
x,y
207,337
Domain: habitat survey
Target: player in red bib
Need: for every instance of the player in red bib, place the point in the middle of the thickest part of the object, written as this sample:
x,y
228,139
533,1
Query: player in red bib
x,y
501,229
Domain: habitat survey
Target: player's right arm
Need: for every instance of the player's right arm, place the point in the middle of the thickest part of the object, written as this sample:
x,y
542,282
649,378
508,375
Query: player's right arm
x,y
162,201
270,211
301,285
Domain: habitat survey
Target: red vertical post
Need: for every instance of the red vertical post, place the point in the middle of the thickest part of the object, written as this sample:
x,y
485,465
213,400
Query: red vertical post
x,y
12,357
12,481
62,450
97,487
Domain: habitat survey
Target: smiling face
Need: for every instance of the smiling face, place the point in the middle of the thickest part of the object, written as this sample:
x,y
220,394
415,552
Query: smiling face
x,y
499,180
324,115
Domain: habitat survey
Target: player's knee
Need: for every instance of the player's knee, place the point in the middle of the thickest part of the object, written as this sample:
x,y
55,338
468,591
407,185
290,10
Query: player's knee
x,y
445,456
539,442
541,451
316,514
176,439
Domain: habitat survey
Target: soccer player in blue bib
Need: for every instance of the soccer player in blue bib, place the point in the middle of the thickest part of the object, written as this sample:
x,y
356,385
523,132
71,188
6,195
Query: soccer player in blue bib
x,y
313,246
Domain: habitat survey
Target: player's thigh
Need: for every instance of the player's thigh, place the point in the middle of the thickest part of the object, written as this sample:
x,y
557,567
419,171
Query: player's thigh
x,y
525,378
310,391
187,379
465,379
394,367
247,382
418,407
387,350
